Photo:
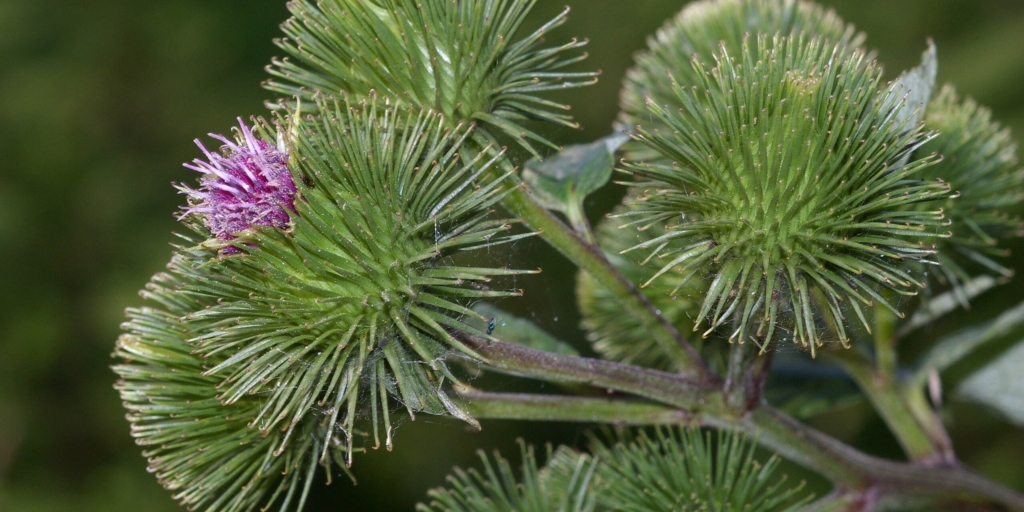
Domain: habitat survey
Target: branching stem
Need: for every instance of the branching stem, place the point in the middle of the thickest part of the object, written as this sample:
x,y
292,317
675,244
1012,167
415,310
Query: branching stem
x,y
667,388
848,468
867,482
589,258
577,218
886,395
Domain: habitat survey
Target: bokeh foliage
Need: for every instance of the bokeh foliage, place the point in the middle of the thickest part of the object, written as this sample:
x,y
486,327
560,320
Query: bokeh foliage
x,y
101,102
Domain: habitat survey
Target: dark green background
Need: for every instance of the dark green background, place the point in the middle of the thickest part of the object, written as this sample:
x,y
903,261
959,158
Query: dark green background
x,y
99,103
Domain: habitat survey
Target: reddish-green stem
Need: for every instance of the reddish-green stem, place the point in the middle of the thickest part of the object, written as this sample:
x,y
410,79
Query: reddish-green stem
x,y
884,482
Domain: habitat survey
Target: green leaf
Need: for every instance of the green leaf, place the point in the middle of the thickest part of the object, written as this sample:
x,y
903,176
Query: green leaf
x,y
1000,385
916,87
951,349
562,181
513,329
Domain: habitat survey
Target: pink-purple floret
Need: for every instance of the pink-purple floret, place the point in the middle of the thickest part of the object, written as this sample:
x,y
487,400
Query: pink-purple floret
x,y
247,184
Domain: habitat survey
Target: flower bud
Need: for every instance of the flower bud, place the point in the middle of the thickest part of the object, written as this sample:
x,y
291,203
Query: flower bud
x,y
260,363
979,160
782,182
698,31
460,58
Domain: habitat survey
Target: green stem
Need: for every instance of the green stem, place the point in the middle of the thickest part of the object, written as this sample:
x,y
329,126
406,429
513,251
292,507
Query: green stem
x,y
516,406
668,388
588,257
746,376
919,432
885,342
884,481
887,398
906,395
880,482
577,217
840,463
929,419
837,502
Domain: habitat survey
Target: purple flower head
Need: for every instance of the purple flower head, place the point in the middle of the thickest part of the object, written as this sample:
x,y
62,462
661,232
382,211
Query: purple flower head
x,y
247,184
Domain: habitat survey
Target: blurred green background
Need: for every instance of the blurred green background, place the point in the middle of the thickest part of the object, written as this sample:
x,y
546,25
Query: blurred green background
x,y
99,103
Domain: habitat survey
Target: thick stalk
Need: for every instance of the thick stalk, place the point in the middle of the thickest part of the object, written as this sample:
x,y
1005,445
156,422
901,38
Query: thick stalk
x,y
883,390
922,438
885,482
845,466
588,257
746,376
840,463
518,406
885,342
930,421
668,388
577,218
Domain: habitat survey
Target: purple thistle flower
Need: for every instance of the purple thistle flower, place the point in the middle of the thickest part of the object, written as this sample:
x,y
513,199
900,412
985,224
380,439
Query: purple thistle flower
x,y
247,184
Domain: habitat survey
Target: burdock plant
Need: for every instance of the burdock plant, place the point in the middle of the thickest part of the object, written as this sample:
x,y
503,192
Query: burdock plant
x,y
340,254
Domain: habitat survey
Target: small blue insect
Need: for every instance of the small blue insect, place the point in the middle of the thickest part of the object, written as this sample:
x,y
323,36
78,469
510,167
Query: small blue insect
x,y
491,325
